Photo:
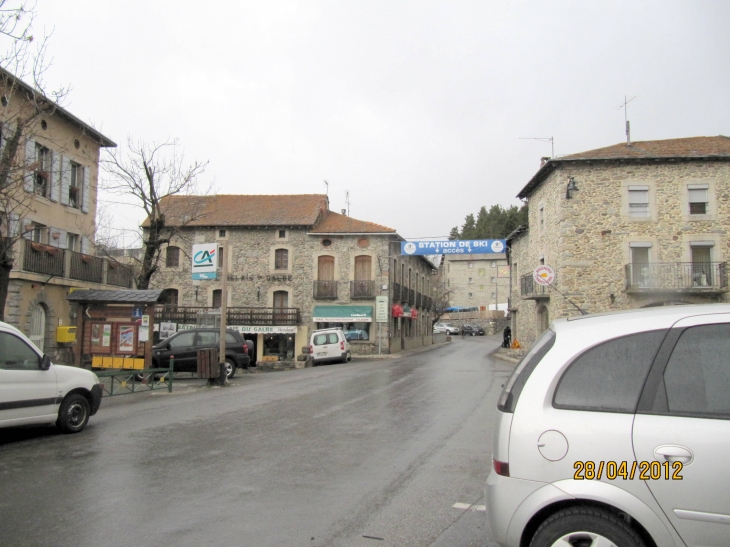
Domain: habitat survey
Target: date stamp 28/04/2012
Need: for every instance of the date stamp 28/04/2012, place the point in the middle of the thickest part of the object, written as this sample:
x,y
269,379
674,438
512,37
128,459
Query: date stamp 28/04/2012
x,y
645,471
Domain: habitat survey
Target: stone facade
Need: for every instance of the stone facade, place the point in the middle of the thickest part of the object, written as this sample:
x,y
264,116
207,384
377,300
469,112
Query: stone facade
x,y
255,278
478,280
610,255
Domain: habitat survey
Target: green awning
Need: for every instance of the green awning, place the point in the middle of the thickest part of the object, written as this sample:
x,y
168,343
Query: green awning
x,y
342,314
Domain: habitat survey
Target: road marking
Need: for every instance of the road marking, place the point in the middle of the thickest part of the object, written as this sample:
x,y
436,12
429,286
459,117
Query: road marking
x,y
469,506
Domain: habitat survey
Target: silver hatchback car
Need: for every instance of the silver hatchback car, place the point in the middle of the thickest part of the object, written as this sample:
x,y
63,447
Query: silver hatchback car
x,y
614,430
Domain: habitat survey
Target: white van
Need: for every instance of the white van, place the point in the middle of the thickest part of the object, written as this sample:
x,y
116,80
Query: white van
x,y
329,346
35,391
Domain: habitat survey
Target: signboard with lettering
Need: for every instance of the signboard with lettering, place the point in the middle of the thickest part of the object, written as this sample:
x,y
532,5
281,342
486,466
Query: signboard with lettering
x,y
381,309
456,246
205,261
245,329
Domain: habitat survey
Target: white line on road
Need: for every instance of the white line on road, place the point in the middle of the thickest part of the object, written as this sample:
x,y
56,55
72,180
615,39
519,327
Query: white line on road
x,y
469,506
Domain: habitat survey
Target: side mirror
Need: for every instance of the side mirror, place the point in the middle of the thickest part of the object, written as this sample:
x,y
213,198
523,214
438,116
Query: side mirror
x,y
45,362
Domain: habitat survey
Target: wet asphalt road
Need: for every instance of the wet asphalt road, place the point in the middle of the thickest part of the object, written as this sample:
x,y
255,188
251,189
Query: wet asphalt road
x,y
372,453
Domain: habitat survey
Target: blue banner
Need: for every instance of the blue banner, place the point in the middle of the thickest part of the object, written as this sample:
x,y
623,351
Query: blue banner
x,y
456,246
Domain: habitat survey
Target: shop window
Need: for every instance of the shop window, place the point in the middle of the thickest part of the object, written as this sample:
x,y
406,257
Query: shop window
x,y
353,331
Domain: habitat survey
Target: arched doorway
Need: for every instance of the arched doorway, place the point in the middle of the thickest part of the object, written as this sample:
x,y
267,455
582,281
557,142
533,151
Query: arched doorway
x,y
38,326
544,319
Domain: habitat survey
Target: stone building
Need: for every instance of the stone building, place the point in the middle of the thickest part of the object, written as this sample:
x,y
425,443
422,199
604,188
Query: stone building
x,y
49,215
477,281
627,226
294,266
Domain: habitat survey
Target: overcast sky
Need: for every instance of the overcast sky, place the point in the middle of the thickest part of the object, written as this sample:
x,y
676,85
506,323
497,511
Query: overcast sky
x,y
418,108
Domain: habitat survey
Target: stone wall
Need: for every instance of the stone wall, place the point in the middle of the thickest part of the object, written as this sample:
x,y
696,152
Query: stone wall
x,y
587,239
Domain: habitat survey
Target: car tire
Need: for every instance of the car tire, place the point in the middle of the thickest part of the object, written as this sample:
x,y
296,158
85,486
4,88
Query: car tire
x,y
74,413
585,526
230,368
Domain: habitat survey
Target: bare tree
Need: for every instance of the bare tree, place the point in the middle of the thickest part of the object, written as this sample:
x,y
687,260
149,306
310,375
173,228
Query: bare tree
x,y
441,296
147,175
22,109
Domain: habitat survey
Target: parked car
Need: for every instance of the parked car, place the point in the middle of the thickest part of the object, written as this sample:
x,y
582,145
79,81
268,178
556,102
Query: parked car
x,y
614,430
356,334
445,327
35,391
472,330
184,345
328,346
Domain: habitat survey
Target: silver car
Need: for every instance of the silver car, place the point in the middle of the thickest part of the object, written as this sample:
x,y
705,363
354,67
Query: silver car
x,y
614,430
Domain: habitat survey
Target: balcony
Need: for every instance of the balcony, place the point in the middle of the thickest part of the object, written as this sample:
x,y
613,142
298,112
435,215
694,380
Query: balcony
x,y
677,277
54,261
325,290
396,291
362,289
411,297
530,290
188,315
419,299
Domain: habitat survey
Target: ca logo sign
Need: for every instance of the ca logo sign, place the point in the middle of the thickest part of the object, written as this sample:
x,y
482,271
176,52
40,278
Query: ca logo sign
x,y
203,258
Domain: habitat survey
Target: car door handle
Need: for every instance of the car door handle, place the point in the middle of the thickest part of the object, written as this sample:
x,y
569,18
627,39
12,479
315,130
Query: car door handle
x,y
674,453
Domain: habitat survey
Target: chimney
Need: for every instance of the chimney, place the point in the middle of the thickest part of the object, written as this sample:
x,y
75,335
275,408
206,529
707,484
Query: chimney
x,y
544,160
344,212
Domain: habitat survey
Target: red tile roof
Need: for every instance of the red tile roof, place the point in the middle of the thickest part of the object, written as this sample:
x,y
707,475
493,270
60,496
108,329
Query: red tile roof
x,y
692,147
243,210
335,223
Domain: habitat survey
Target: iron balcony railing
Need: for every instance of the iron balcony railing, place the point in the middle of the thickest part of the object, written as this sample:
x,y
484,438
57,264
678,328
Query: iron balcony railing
x,y
119,276
325,290
188,315
411,297
676,276
396,291
419,300
362,289
86,267
43,259
529,288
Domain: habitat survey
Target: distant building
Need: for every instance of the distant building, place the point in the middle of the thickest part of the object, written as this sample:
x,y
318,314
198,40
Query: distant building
x,y
477,281
626,226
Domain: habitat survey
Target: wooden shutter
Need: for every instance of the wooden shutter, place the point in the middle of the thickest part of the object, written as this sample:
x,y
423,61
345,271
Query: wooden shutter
x,y
363,268
30,158
86,190
65,179
55,182
326,268
85,245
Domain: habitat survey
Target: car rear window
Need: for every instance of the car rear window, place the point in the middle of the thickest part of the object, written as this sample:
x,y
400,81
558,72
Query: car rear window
x,y
513,387
609,377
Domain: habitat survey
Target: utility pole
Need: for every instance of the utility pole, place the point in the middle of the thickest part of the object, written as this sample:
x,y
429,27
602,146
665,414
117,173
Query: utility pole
x,y
223,379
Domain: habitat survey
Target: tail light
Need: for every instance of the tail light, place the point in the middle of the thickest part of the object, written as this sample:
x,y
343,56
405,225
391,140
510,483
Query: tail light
x,y
245,349
342,346
311,350
501,468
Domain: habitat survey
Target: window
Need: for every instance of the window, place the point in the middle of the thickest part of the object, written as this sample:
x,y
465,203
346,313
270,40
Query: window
x,y
217,300
220,257
281,234
172,257
222,233
16,354
42,174
76,185
471,295
697,377
471,280
638,201
471,264
481,288
482,272
281,299
39,233
698,199
73,242
494,280
281,259
184,340
541,218
609,377
640,269
494,264
702,270
169,297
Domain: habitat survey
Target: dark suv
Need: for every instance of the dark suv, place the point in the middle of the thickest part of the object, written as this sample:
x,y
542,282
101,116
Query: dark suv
x,y
472,330
184,345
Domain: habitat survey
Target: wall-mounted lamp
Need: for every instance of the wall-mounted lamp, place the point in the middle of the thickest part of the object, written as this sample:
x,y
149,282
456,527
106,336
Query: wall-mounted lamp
x,y
571,188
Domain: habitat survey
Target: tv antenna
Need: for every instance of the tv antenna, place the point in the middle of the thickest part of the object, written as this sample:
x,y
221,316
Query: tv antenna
x,y
347,201
327,184
551,140
626,118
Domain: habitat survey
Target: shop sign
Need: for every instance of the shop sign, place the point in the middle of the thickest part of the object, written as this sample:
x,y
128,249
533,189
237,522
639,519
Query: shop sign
x,y
245,329
204,261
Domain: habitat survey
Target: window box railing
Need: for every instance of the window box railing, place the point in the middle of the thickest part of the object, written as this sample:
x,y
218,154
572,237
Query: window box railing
x,y
43,259
362,289
250,316
530,289
86,267
325,290
677,276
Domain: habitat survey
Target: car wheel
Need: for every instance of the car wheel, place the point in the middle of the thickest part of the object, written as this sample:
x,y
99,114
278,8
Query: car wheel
x,y
587,527
230,368
74,413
